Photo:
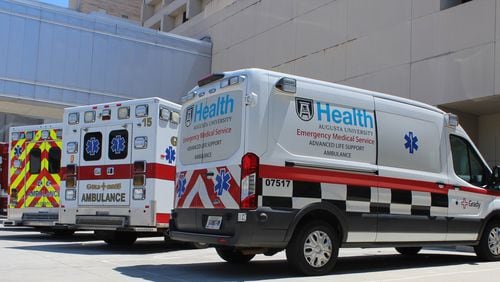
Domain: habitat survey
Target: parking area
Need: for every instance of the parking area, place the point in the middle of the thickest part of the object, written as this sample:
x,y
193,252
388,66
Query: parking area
x,y
29,255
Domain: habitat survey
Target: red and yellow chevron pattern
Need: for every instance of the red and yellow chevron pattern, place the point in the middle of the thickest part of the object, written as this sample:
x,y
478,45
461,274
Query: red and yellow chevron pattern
x,y
38,190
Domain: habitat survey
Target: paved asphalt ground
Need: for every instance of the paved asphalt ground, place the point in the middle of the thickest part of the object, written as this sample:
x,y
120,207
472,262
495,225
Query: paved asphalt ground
x,y
26,255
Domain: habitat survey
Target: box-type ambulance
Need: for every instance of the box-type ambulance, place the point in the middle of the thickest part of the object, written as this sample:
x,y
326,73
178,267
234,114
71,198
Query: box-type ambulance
x,y
34,175
270,162
119,160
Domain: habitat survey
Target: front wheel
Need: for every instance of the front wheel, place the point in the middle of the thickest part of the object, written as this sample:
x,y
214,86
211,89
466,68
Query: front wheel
x,y
314,248
489,245
408,251
232,255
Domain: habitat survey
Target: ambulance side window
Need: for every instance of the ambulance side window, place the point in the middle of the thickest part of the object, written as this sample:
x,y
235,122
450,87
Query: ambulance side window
x,y
92,146
118,144
54,160
466,162
35,160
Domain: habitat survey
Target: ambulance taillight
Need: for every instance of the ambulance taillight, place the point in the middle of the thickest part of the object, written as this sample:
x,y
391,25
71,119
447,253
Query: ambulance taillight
x,y
249,176
139,180
71,178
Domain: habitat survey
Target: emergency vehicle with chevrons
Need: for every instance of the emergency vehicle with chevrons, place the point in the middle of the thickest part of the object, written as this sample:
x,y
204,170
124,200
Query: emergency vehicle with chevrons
x,y
119,160
34,175
271,161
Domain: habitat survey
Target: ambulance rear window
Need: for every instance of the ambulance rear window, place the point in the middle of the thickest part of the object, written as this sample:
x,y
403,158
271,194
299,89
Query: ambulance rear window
x,y
35,160
118,144
54,160
92,145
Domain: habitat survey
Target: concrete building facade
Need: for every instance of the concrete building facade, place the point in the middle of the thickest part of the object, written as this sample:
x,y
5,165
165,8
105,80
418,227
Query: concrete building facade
x,y
125,9
52,58
441,52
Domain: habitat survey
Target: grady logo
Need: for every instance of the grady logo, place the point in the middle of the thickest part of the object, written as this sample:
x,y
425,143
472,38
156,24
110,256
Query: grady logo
x,y
469,203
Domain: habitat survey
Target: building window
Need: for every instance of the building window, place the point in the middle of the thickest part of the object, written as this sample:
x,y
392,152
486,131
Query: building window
x,y
184,17
445,4
125,16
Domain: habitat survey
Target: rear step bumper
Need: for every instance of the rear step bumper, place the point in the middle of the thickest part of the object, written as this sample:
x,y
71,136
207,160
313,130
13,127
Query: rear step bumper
x,y
262,228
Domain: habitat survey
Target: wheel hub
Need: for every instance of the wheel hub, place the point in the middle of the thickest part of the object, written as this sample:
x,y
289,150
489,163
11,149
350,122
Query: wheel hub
x,y
318,248
494,241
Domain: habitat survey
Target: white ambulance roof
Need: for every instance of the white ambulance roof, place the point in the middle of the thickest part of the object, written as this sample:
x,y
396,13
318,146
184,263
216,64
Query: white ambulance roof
x,y
335,85
127,102
36,126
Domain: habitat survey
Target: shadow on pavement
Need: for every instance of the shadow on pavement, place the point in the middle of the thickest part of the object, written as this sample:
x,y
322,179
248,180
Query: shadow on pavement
x,y
257,270
24,234
101,248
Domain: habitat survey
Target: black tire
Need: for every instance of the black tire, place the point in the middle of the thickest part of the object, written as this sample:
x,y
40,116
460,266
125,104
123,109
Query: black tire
x,y
198,245
408,251
117,238
491,234
295,252
232,255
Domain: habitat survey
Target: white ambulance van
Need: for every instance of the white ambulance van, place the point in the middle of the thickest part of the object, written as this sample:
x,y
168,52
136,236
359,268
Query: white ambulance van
x,y
119,161
271,161
34,175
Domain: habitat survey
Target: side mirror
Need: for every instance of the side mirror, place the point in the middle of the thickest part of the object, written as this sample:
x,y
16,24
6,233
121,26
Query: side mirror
x,y
494,181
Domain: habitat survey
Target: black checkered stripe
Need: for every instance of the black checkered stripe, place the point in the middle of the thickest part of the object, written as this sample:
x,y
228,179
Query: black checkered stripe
x,y
357,199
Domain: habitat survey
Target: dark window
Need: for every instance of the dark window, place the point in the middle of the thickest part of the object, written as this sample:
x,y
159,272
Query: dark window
x,y
118,144
184,17
92,146
445,4
466,162
35,160
54,160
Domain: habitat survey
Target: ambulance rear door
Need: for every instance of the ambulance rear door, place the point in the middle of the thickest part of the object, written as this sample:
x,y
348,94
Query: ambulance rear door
x,y
43,162
105,170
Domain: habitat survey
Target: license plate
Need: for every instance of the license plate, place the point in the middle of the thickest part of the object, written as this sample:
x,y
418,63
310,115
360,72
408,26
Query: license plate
x,y
213,222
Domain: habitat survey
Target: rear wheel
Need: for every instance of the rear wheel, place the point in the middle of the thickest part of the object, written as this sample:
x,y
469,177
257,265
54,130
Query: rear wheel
x,y
408,251
198,245
232,255
314,248
117,238
489,245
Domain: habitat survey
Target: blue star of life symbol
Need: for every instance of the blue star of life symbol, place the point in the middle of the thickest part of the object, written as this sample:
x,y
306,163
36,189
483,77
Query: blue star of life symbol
x,y
181,185
18,150
222,180
411,142
92,146
118,144
170,154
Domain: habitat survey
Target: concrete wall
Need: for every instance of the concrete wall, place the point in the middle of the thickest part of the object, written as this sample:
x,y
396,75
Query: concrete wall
x,y
127,9
409,48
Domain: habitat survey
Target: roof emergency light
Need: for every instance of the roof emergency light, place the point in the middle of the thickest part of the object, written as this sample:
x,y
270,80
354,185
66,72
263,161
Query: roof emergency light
x,y
451,120
141,110
45,134
74,118
15,136
164,114
89,116
29,135
123,112
175,117
106,114
287,84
